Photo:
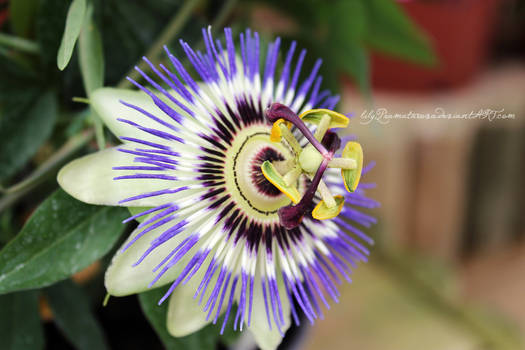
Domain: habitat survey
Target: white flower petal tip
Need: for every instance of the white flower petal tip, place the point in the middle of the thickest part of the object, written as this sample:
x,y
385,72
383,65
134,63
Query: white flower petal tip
x,y
125,277
185,315
265,338
86,178
117,106
90,179
107,103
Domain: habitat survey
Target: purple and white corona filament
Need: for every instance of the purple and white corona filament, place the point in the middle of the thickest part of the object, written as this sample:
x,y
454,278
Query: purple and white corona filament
x,y
233,172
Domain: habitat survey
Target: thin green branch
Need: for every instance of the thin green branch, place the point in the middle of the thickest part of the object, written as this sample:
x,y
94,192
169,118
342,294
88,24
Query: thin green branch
x,y
18,43
17,191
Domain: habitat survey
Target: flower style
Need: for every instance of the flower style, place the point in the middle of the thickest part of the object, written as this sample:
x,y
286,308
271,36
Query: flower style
x,y
236,185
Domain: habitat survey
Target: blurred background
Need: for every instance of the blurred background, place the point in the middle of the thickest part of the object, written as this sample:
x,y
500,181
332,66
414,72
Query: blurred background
x,y
437,93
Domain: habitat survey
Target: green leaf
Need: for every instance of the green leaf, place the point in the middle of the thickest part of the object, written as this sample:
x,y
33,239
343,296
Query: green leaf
x,y
27,121
156,314
91,59
348,25
391,31
49,28
356,63
15,79
6,226
20,327
74,20
62,237
91,56
125,41
72,314
21,14
347,21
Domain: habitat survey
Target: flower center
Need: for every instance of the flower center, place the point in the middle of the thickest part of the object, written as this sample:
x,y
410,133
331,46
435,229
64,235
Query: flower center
x,y
252,192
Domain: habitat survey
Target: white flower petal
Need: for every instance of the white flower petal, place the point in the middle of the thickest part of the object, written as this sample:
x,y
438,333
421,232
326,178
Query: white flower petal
x,y
185,315
90,179
265,338
107,103
122,278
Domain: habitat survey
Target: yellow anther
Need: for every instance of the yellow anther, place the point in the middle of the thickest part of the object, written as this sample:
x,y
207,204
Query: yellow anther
x,y
271,174
314,116
351,177
276,133
281,128
323,212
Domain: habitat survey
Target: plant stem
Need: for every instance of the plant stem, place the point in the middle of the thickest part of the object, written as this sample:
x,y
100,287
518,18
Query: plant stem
x,y
173,28
13,193
18,43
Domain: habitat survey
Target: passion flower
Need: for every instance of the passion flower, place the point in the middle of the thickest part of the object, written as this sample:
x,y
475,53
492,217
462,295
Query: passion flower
x,y
235,180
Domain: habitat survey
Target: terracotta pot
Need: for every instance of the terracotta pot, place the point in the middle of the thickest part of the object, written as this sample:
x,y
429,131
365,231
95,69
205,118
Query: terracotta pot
x,y
460,31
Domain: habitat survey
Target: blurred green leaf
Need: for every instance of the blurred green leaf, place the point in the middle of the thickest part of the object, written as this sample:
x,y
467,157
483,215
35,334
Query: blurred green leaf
x,y
91,59
74,20
139,24
346,19
342,32
62,237
21,15
20,327
334,31
72,314
6,226
15,78
27,121
347,24
391,31
356,63
17,43
156,314
50,22
91,56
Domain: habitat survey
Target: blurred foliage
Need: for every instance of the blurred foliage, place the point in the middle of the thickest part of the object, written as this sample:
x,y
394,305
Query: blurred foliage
x,y
67,302
20,326
27,122
343,32
54,50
